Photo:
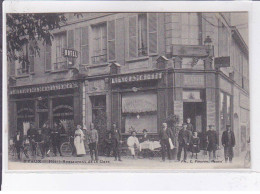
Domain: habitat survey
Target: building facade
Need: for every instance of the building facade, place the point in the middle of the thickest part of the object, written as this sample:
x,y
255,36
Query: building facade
x,y
135,69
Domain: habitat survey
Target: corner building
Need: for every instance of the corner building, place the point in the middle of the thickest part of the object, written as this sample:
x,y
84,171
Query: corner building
x,y
135,69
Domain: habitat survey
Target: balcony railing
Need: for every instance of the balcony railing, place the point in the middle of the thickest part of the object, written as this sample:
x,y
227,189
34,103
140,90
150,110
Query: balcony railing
x,y
22,71
99,59
60,66
142,51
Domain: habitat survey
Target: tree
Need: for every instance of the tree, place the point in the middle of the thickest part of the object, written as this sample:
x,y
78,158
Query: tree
x,y
30,27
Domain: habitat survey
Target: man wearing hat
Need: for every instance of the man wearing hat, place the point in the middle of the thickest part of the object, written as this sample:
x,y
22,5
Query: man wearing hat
x,y
184,139
116,141
212,142
228,142
165,135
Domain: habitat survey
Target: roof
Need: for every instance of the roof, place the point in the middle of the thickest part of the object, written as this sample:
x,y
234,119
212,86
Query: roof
x,y
239,39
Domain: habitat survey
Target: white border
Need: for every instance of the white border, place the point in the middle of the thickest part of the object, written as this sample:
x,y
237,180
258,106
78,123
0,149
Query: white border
x,y
122,181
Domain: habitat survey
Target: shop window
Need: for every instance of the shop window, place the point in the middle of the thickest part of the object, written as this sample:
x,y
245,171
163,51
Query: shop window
x,y
63,112
25,115
139,111
60,44
99,43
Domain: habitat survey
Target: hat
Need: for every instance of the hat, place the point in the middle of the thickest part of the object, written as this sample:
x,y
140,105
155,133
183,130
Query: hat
x,y
145,130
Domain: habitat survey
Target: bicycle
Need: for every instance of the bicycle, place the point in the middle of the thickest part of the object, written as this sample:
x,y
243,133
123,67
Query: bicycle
x,y
66,148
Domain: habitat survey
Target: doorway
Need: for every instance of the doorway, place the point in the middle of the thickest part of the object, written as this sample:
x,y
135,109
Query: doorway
x,y
196,111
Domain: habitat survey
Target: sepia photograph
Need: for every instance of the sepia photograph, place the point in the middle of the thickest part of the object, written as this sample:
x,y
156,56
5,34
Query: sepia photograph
x,y
128,91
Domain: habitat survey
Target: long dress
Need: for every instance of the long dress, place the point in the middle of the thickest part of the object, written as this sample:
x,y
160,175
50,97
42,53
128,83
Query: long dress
x,y
79,142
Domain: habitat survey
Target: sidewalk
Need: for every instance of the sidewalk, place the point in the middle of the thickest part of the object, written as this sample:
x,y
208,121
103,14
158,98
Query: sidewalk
x,y
108,163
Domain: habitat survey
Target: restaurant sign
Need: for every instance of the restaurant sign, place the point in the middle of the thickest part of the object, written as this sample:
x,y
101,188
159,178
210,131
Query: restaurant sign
x,y
136,77
43,88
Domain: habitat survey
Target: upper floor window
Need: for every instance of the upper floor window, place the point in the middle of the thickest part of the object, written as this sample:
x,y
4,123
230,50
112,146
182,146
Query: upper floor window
x,y
26,65
142,35
189,28
60,44
99,43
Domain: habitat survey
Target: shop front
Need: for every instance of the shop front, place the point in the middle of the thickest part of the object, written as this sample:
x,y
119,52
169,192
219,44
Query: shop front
x,y
139,102
52,103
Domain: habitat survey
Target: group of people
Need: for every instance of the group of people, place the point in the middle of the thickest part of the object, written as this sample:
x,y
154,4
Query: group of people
x,y
187,141
42,138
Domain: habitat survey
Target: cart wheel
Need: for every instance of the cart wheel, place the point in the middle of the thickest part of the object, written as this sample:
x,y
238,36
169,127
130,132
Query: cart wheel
x,y
66,149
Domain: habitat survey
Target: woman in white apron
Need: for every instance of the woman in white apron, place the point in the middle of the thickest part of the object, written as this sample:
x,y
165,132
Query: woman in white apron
x,y
79,141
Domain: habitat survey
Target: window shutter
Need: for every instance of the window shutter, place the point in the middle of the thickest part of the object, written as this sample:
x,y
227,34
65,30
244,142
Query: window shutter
x,y
152,26
47,57
71,46
71,39
111,40
132,36
84,46
77,37
31,57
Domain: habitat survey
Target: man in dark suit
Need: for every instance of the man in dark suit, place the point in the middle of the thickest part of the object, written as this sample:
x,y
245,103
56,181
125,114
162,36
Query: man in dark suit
x,y
31,134
116,141
165,134
46,133
184,139
18,142
189,125
55,139
212,142
228,142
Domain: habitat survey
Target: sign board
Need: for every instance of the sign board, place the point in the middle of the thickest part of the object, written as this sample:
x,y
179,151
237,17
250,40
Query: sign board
x,y
222,62
188,50
136,77
70,53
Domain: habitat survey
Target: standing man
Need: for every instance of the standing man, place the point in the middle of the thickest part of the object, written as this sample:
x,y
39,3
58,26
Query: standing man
x,y
31,134
184,139
55,139
108,143
116,140
165,135
212,142
18,143
228,142
189,125
46,133
40,141
93,142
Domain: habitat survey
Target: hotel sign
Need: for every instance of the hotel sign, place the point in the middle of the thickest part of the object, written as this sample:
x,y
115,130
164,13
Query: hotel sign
x,y
43,88
136,77
70,53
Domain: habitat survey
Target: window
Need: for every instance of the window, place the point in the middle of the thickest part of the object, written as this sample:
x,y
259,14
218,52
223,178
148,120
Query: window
x,y
47,56
84,46
99,43
189,28
27,63
142,35
223,40
60,44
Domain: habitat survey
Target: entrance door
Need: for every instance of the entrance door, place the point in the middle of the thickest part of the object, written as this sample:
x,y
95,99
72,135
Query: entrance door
x,y
196,111
43,118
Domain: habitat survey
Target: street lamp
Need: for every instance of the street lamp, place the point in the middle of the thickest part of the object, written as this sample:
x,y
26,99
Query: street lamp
x,y
208,44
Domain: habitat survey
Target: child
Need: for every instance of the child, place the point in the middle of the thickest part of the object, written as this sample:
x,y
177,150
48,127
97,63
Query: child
x,y
195,145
